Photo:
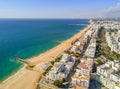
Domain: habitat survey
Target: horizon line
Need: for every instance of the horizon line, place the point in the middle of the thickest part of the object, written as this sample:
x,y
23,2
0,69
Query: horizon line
x,y
40,18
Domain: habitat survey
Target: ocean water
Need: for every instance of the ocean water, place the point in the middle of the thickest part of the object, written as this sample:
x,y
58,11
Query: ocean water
x,y
26,38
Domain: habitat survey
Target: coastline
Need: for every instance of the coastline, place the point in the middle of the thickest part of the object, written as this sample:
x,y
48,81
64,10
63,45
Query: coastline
x,y
27,79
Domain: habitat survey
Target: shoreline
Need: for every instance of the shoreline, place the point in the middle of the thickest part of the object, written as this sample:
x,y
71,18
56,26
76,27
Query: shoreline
x,y
21,66
27,79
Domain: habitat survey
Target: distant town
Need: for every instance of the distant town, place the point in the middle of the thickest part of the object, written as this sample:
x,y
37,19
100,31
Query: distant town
x,y
93,61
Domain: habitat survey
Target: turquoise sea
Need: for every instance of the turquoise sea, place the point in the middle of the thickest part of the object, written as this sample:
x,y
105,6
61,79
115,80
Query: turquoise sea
x,y
26,38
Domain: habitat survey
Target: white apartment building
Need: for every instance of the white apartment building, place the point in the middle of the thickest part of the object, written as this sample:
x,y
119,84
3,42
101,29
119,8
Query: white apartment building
x,y
82,74
113,35
109,74
90,52
61,69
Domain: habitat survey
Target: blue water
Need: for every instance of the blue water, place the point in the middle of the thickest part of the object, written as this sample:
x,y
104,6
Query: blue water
x,y
26,38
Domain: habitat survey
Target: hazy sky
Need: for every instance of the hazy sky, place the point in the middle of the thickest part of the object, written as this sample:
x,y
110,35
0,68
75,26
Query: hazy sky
x,y
59,8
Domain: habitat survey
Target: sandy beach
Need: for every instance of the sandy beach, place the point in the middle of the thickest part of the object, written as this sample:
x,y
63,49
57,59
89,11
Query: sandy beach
x,y
27,79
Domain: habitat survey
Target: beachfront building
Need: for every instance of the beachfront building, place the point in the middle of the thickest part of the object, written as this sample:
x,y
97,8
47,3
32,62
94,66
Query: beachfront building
x,y
77,43
93,31
61,69
82,75
108,74
78,46
68,60
82,44
90,52
96,28
57,72
75,49
89,33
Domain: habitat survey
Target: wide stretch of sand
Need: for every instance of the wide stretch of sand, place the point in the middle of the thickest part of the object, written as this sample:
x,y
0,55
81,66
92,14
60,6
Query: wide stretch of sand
x,y
27,79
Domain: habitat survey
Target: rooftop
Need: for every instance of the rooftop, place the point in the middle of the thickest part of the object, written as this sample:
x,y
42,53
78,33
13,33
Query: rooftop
x,y
81,77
